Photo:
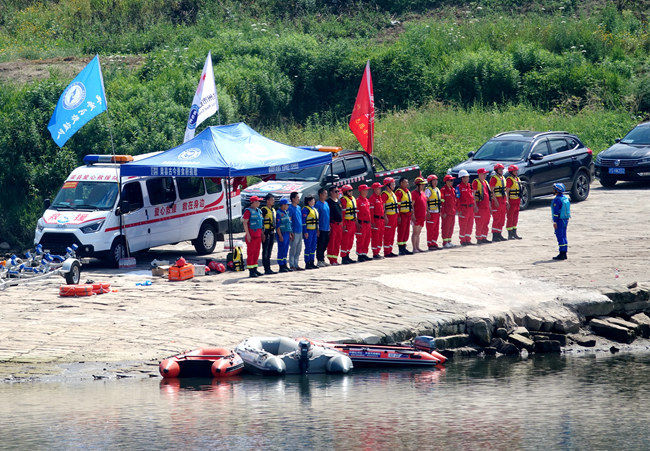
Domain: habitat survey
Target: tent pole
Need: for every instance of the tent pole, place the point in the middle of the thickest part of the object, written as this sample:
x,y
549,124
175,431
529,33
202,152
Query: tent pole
x,y
229,212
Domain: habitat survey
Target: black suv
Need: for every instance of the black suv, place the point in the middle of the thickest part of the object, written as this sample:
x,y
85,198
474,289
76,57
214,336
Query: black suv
x,y
628,159
543,158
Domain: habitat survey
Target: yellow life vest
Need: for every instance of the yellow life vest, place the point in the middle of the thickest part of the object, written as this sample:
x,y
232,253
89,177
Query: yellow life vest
x,y
350,208
268,213
434,201
311,220
515,190
406,204
390,206
500,187
480,192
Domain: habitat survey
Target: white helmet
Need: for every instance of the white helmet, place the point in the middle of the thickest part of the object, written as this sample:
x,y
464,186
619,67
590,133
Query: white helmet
x,y
463,173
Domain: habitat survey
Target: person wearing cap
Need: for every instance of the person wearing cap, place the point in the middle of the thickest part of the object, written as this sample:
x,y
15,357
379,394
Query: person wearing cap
x,y
364,230
336,219
310,231
419,212
482,196
391,212
268,214
499,202
466,203
323,227
295,248
405,212
349,207
448,210
513,193
434,201
253,226
561,212
377,218
284,230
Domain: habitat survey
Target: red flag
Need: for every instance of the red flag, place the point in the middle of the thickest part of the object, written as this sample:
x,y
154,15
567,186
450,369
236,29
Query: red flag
x,y
362,122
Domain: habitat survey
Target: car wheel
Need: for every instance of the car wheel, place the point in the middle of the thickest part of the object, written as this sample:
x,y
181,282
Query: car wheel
x,y
524,196
117,252
607,182
207,239
73,276
580,188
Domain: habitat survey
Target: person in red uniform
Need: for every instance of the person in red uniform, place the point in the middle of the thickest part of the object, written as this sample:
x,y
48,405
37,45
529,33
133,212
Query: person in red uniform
x,y
364,231
513,193
253,225
391,213
349,207
482,212
377,218
434,201
499,201
419,212
448,210
405,211
466,208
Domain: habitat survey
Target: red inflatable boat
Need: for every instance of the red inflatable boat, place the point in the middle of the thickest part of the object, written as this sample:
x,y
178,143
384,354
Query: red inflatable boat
x,y
203,362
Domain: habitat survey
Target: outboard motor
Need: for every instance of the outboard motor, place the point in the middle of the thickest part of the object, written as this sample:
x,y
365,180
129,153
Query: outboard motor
x,y
424,343
303,361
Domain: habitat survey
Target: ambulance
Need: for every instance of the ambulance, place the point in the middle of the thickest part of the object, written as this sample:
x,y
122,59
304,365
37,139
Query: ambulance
x,y
153,211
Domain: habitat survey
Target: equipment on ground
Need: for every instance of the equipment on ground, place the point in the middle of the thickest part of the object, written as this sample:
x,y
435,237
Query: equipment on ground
x,y
39,265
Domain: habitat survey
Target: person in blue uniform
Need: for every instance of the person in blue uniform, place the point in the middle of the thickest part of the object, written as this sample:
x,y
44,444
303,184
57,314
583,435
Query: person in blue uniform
x,y
295,248
561,210
285,235
310,231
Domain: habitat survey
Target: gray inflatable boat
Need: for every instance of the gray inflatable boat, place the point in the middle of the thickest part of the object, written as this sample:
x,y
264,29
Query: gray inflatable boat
x,y
283,355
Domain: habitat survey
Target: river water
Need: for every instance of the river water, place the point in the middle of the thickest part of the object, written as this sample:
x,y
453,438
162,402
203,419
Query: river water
x,y
547,402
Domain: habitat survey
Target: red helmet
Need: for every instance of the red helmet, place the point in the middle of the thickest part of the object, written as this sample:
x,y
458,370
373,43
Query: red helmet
x,y
388,181
363,187
432,177
448,177
498,166
376,185
512,168
345,188
180,262
481,171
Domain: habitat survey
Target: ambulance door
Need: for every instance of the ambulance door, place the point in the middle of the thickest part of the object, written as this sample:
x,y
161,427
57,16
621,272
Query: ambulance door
x,y
134,221
163,211
192,202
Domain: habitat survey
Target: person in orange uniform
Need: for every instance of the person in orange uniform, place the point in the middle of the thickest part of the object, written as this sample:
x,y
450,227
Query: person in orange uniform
x,y
405,211
465,209
498,187
419,212
482,212
253,225
349,207
434,201
364,231
377,220
448,210
513,193
391,212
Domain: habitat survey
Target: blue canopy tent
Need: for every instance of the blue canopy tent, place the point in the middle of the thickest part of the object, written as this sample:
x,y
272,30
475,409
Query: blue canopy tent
x,y
234,150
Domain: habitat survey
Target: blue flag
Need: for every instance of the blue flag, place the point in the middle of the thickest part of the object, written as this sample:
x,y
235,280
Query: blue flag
x,y
81,101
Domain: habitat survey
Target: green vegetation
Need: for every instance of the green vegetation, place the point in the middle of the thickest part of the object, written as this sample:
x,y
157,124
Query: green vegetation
x,y
447,75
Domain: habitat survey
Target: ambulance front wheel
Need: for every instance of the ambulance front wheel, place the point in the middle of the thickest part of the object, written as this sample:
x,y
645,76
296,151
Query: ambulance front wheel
x,y
117,252
207,239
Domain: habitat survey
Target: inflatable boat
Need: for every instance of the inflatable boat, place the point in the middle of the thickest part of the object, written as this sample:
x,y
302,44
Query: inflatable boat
x,y
283,355
203,362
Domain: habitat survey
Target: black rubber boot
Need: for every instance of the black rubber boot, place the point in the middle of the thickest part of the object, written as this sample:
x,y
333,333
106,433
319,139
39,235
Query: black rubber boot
x,y
406,251
269,271
496,237
511,235
560,256
377,257
258,272
346,260
515,236
390,255
283,268
252,273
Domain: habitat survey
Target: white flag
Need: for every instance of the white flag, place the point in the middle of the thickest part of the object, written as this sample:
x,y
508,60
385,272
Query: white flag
x,y
205,102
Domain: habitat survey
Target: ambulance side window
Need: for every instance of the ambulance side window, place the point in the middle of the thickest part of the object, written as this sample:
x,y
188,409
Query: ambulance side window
x,y
132,193
190,187
161,190
213,185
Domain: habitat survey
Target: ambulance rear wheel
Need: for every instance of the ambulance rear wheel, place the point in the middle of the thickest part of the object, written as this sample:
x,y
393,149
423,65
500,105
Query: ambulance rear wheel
x,y
207,239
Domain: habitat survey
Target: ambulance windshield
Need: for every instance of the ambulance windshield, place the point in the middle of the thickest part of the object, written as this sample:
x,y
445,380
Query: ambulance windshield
x,y
311,174
504,150
86,196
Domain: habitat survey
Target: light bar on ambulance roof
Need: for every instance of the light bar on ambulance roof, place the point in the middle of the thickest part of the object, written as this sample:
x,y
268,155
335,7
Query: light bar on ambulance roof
x,y
332,149
92,159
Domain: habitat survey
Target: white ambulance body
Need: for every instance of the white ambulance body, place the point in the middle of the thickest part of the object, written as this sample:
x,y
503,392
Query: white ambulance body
x,y
158,211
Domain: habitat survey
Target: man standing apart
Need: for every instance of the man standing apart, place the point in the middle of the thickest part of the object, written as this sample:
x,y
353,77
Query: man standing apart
x,y
391,212
448,210
323,226
499,202
349,207
364,230
482,213
296,228
377,218
434,201
466,210
268,214
253,225
336,219
561,210
310,231
405,211
513,194
283,228
419,212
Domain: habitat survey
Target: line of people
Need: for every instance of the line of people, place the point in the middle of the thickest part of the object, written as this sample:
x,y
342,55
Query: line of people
x,y
330,225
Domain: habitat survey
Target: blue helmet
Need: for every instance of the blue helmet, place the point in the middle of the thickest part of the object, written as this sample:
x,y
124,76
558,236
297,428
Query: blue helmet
x,y
559,187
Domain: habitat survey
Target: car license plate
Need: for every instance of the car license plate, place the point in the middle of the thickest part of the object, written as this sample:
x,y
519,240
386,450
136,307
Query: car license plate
x,y
617,170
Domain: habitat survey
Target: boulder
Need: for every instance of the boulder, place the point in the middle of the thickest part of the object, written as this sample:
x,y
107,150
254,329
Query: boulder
x,y
583,340
546,326
466,351
627,324
566,326
643,321
370,339
452,341
532,322
547,346
521,342
611,331
489,350
537,336
504,347
479,332
502,333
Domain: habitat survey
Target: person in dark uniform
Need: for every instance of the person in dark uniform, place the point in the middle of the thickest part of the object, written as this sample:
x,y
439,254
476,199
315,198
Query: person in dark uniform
x,y
336,228
268,213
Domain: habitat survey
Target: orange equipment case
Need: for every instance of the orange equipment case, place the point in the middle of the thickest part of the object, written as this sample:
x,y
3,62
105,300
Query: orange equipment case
x,y
181,273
